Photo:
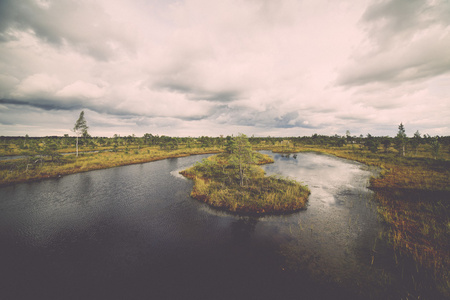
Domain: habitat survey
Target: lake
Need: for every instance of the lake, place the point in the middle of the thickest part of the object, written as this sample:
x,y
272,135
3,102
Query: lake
x,y
133,232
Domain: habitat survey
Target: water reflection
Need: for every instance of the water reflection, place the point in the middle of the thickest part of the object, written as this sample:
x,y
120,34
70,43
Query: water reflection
x,y
134,233
332,238
328,178
243,228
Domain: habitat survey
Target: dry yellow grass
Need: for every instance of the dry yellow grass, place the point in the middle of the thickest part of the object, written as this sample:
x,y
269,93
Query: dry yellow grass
x,y
414,201
217,185
16,171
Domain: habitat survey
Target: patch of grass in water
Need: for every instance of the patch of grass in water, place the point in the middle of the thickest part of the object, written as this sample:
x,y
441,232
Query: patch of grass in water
x,y
216,183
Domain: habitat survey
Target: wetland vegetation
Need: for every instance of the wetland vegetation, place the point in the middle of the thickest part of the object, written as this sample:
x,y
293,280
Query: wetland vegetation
x,y
233,181
412,189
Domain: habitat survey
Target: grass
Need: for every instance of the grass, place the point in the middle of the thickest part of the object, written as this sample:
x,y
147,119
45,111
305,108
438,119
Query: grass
x,y
413,193
216,183
33,168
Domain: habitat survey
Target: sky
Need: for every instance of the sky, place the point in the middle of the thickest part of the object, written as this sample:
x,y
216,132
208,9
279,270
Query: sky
x,y
210,68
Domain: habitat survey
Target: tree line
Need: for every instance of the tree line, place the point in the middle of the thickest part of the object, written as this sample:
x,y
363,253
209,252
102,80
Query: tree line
x,y
403,144
51,146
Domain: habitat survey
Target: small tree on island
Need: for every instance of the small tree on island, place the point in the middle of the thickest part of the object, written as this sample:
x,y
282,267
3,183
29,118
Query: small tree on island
x,y
80,128
241,155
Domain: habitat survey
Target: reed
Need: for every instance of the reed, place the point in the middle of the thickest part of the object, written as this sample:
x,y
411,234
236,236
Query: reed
x,y
36,168
216,183
413,192
413,195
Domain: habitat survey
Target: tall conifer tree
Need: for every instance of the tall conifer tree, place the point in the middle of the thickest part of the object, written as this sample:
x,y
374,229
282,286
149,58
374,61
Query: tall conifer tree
x,y
400,140
80,128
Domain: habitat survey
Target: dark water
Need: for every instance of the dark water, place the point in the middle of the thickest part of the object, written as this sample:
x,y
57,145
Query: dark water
x,y
134,233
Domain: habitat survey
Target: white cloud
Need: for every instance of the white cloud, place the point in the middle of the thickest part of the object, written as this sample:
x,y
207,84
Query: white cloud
x,y
198,67
81,89
37,85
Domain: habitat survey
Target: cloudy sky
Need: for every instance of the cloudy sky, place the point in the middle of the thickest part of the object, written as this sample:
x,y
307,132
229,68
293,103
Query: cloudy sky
x,y
202,67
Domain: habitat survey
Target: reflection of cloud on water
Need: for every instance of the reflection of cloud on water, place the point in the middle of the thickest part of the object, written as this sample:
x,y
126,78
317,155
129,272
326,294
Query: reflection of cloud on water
x,y
177,174
183,164
329,238
322,195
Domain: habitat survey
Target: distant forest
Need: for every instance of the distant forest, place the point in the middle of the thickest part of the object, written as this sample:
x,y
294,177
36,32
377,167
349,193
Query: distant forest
x,y
405,146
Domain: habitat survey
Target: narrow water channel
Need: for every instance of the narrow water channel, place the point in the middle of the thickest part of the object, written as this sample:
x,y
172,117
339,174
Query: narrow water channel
x,y
133,232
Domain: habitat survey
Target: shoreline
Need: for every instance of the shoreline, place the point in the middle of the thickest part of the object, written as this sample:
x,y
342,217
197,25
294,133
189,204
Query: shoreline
x,y
63,170
216,186
408,222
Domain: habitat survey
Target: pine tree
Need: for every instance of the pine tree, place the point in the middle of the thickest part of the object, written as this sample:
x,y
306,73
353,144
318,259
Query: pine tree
x,y
80,128
415,142
386,143
400,140
241,155
372,144
435,146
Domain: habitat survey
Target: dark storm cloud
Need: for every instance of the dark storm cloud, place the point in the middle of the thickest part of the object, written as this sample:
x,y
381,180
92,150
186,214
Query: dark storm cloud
x,y
72,105
215,96
348,117
188,81
81,25
264,119
410,43
195,93
393,18
77,104
287,121
395,69
43,104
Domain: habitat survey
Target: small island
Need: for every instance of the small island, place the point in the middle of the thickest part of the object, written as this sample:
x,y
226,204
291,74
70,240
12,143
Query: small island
x,y
234,182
